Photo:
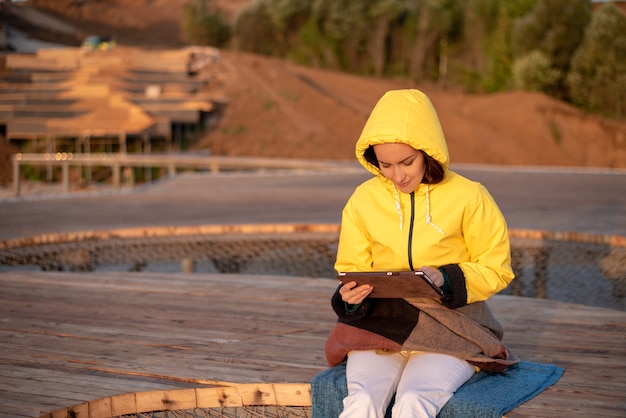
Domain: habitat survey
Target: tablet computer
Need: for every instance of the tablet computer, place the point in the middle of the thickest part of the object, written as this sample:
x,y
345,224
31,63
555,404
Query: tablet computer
x,y
395,284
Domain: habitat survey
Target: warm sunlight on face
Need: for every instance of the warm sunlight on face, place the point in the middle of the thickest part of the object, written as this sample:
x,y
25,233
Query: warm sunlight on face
x,y
402,164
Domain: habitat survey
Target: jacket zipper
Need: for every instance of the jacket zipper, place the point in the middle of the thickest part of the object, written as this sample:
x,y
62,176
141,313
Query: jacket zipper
x,y
411,231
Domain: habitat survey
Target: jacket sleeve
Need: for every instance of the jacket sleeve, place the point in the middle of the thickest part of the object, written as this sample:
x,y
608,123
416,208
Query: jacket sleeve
x,y
346,312
488,270
354,251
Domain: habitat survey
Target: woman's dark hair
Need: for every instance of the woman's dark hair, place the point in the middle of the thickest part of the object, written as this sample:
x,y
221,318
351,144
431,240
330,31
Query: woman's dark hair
x,y
370,156
433,174
434,170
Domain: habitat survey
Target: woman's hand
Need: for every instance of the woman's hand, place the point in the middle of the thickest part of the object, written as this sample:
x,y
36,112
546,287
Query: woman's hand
x,y
353,294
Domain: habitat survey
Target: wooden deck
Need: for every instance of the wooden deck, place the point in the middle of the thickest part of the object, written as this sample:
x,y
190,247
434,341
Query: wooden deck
x,y
66,338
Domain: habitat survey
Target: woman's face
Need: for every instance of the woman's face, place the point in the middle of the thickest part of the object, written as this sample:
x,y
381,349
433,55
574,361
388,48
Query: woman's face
x,y
402,164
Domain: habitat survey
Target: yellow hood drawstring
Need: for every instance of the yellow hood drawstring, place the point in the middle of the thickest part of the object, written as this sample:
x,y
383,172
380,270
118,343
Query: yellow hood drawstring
x,y
428,220
398,208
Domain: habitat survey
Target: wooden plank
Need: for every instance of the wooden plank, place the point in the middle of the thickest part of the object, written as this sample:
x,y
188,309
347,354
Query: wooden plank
x,y
12,412
73,338
125,403
162,401
225,396
181,399
35,62
587,342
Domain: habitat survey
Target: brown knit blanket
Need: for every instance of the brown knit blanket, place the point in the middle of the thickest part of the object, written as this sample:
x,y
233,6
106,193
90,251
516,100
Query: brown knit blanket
x,y
471,333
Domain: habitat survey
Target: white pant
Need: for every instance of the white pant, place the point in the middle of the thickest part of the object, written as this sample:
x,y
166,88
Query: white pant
x,y
423,383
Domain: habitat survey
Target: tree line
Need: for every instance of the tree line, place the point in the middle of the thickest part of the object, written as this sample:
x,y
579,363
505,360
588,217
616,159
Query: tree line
x,y
563,48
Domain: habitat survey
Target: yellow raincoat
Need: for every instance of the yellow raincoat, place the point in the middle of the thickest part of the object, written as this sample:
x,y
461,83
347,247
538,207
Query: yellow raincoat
x,y
454,225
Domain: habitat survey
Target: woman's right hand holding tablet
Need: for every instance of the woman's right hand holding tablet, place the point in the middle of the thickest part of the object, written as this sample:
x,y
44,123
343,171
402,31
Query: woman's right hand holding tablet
x,y
353,294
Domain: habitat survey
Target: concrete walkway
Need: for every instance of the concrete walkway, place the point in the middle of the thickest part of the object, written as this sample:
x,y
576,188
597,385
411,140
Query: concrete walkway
x,y
577,200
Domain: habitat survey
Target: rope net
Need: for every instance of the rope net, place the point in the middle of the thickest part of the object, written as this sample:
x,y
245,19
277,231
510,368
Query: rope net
x,y
578,268
275,411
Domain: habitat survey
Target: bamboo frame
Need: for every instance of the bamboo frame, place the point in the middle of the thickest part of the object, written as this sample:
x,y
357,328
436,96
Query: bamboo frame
x,y
228,396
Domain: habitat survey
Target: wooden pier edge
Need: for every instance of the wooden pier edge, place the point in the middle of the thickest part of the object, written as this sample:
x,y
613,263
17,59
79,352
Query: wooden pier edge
x,y
223,397
282,228
228,396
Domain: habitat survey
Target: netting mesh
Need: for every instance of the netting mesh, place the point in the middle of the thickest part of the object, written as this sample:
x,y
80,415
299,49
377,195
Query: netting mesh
x,y
230,412
573,268
310,254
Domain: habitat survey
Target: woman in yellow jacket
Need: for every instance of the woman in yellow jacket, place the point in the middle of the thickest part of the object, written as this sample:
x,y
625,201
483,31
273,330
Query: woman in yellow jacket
x,y
416,214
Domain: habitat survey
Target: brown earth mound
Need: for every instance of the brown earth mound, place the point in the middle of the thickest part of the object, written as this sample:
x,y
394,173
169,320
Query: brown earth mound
x,y
278,109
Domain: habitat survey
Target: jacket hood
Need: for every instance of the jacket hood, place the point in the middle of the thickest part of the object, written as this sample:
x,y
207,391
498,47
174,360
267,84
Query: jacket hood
x,y
403,116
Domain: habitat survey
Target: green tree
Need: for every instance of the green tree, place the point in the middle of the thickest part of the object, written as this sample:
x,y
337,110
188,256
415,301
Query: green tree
x,y
597,80
344,28
483,45
556,28
498,53
440,25
253,29
286,17
204,24
534,72
486,52
351,36
383,16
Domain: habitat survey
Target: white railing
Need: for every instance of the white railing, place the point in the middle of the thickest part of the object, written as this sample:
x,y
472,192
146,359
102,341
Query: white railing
x,y
170,162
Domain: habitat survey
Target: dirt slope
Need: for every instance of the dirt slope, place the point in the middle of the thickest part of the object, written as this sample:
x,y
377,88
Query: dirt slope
x,y
277,108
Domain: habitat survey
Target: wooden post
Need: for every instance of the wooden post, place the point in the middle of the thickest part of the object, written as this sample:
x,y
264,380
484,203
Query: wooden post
x,y
188,265
147,149
123,142
16,176
129,176
51,150
65,167
115,168
541,273
87,145
178,136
